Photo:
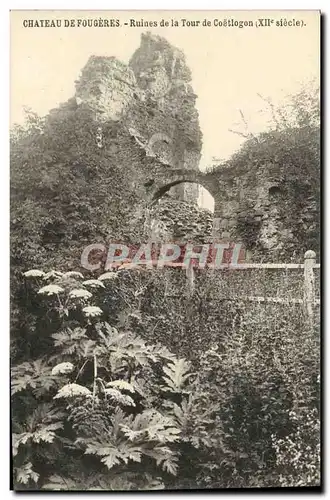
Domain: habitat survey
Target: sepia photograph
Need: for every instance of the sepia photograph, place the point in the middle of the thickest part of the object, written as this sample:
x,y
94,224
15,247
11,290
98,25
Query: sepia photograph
x,y
165,178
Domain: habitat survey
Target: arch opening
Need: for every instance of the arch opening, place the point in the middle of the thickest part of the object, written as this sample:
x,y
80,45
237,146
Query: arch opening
x,y
187,190
181,210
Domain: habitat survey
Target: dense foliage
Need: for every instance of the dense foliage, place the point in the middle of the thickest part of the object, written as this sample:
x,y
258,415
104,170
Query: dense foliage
x,y
101,393
96,406
67,192
129,379
289,157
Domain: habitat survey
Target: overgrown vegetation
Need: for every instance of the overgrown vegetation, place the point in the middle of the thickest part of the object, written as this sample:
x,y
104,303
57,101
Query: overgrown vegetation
x,y
95,406
126,380
289,155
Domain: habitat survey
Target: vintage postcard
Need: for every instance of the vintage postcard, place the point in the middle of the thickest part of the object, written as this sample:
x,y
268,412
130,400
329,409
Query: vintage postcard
x,y
165,250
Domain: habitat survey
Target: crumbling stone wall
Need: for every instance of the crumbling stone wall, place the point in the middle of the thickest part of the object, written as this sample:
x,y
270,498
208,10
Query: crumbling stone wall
x,y
107,86
173,220
153,99
151,105
268,208
145,123
161,71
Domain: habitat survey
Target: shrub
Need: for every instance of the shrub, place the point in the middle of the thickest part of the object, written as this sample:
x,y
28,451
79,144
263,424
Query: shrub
x,y
263,388
94,407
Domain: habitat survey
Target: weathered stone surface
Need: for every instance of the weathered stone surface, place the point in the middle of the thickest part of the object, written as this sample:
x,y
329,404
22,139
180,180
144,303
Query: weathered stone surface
x,y
260,206
178,221
155,60
172,122
107,86
153,103
151,97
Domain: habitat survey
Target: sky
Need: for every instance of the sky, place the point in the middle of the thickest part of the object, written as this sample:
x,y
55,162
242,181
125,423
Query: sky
x,y
230,66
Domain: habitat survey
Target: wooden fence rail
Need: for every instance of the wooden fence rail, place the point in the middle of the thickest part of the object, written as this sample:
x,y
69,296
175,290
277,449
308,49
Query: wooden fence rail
x,y
309,301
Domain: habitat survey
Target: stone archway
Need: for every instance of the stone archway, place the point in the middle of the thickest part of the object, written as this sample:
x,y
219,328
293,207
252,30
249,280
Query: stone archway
x,y
172,218
167,187
169,178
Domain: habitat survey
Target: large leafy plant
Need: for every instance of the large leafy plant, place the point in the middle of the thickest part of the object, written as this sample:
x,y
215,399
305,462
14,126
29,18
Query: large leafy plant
x,y
94,407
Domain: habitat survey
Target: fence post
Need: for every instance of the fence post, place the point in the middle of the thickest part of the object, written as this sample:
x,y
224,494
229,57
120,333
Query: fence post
x,y
309,286
190,274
